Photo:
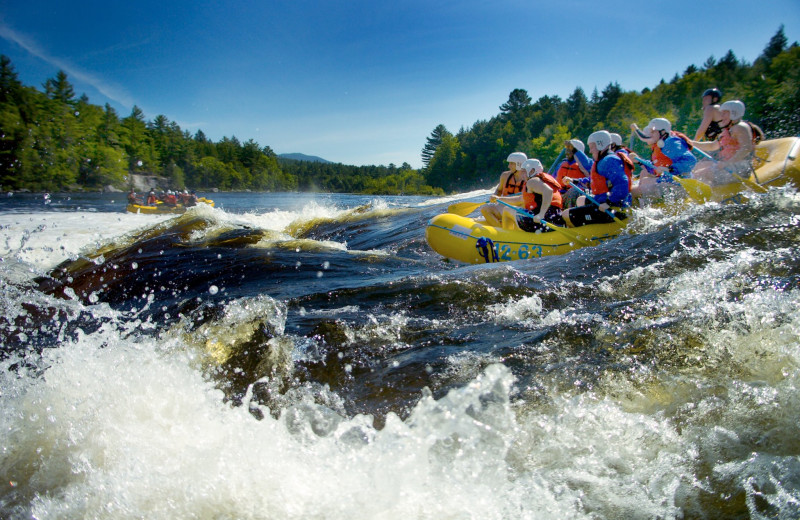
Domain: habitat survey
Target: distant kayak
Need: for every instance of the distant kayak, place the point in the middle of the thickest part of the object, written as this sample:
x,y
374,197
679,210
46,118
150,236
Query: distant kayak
x,y
161,208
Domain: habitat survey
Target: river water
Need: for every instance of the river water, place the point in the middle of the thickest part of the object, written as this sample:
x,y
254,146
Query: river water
x,y
309,356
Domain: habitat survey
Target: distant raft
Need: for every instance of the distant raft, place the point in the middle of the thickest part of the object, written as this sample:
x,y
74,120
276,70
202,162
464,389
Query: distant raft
x,y
474,242
161,208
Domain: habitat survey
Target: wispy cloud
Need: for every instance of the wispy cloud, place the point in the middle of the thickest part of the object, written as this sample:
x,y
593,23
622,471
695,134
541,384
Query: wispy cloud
x,y
112,92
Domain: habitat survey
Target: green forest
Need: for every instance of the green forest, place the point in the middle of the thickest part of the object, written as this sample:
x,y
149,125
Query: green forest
x,y
53,140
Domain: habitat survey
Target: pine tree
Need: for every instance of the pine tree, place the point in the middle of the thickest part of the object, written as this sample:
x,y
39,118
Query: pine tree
x,y
517,100
432,143
60,89
777,44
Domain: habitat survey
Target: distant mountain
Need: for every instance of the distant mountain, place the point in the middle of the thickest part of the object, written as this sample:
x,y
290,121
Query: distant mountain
x,y
302,157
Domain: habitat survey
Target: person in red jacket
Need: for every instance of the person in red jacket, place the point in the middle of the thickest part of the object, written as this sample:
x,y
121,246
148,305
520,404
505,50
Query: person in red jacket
x,y
170,199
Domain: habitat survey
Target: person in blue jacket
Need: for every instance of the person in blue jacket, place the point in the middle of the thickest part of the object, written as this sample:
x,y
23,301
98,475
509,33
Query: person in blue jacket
x,y
609,184
671,155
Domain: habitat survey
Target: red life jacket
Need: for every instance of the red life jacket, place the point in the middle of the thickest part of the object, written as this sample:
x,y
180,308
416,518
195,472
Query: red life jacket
x,y
534,200
571,171
658,157
511,187
598,184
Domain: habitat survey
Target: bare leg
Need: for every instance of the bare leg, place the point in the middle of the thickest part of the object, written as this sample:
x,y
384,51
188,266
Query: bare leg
x,y
492,213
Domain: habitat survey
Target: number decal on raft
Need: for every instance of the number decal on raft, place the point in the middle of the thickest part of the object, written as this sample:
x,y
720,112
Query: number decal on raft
x,y
507,254
528,251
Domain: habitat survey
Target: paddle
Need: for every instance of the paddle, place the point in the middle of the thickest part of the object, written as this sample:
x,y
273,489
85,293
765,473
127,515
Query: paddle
x,y
747,182
463,209
589,197
698,191
564,231
554,167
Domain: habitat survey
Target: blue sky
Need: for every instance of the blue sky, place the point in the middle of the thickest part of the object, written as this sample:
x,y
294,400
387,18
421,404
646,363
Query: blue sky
x,y
365,82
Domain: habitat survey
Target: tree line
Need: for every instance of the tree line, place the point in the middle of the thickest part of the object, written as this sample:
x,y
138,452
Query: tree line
x,y
51,140
474,157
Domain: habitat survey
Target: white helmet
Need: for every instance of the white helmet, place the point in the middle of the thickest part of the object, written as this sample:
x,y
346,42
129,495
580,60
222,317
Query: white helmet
x,y
534,165
616,139
518,158
735,107
660,124
577,144
601,139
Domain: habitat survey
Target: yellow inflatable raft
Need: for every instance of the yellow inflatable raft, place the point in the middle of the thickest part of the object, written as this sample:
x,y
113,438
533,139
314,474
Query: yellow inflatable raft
x,y
776,164
474,242
160,208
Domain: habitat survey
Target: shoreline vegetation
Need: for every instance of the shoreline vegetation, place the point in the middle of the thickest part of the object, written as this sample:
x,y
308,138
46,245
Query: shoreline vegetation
x,y
53,141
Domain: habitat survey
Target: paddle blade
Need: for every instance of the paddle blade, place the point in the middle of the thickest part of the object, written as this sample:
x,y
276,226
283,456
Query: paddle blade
x,y
463,209
752,185
699,191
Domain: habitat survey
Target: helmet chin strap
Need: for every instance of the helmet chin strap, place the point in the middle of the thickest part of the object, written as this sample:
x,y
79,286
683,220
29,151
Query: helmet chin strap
x,y
660,142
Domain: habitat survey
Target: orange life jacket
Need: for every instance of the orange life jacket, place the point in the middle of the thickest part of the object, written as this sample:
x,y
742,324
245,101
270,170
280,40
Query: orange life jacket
x,y
511,187
571,171
533,200
728,145
598,183
659,159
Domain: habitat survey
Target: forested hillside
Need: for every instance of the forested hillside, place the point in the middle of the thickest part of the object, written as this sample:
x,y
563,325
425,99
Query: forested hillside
x,y
52,140
474,157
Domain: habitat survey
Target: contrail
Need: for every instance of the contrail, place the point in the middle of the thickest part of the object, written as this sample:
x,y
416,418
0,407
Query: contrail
x,y
110,91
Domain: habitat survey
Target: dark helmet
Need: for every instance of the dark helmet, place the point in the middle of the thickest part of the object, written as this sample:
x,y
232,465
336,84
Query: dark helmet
x,y
715,94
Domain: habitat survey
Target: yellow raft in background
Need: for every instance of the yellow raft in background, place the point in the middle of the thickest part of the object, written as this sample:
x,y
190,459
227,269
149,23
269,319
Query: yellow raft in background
x,y
161,209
